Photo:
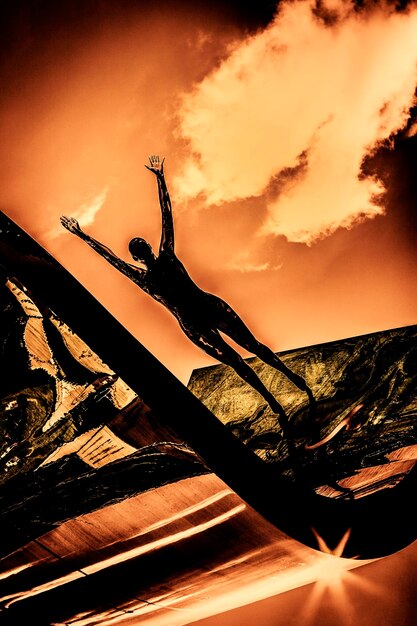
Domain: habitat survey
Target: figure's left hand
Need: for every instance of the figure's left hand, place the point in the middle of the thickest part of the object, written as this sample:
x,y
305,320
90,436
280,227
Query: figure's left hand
x,y
71,224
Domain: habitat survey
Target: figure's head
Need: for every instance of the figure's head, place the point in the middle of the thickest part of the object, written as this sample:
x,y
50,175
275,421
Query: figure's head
x,y
141,251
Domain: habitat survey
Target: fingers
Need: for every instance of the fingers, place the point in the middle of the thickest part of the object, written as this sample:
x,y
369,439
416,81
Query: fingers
x,y
70,223
155,163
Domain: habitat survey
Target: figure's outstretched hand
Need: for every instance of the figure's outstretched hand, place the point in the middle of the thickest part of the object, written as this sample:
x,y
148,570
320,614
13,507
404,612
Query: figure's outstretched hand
x,y
71,224
156,165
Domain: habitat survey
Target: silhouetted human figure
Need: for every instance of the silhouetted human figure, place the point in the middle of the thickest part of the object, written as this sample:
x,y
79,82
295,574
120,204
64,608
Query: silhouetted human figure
x,y
201,315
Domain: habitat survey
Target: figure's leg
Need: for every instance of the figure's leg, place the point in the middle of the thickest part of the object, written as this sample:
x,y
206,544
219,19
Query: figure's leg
x,y
213,344
232,325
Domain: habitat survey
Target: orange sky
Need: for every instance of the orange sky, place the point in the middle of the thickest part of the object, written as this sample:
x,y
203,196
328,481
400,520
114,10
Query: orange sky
x,y
274,127
264,131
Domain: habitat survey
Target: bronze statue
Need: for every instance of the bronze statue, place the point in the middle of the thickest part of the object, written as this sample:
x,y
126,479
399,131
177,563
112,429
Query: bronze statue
x,y
201,315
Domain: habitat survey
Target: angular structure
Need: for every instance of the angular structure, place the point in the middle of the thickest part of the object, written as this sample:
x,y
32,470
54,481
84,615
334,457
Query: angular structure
x,y
123,497
362,438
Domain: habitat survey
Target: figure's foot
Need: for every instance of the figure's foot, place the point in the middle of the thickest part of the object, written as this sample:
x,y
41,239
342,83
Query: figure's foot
x,y
278,409
302,386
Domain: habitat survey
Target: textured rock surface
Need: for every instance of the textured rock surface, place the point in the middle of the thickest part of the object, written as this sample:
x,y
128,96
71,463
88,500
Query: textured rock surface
x,y
37,502
68,447
372,378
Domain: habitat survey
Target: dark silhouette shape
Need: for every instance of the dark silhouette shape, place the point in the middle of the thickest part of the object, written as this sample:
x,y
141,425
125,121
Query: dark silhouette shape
x,y
201,315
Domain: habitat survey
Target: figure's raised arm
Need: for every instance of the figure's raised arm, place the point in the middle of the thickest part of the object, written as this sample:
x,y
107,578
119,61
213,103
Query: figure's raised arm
x,y
131,271
167,237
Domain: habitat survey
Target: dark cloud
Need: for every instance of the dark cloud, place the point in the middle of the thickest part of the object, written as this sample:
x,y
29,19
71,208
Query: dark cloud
x,y
40,18
395,163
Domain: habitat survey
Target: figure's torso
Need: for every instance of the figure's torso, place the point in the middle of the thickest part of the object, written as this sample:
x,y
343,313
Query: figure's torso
x,y
168,282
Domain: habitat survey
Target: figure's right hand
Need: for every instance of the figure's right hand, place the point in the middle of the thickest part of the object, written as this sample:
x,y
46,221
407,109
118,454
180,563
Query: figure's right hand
x,y
156,165
71,224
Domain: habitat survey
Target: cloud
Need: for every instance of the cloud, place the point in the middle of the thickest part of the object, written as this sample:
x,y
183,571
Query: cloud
x,y
324,83
242,263
85,214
